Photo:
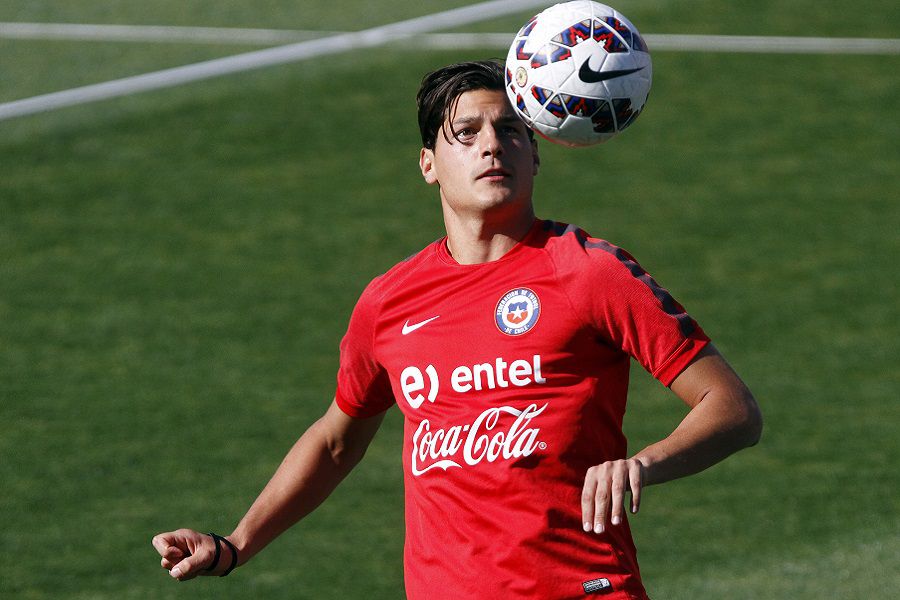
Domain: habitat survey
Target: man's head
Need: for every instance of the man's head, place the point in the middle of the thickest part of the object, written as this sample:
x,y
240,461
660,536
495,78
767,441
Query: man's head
x,y
475,147
442,88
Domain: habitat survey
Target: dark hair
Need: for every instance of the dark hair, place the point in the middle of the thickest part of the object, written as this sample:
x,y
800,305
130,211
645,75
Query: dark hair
x,y
441,89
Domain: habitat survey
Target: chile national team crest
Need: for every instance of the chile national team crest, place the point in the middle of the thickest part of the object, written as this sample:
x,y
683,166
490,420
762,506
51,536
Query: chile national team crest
x,y
517,311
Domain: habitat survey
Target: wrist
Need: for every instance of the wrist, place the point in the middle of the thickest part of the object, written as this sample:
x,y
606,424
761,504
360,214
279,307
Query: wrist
x,y
226,556
243,546
647,463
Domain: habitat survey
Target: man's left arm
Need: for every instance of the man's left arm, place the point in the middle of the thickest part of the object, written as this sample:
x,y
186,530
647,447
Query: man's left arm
x,y
723,419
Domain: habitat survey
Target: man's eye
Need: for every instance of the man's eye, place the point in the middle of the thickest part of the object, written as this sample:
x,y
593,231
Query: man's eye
x,y
465,133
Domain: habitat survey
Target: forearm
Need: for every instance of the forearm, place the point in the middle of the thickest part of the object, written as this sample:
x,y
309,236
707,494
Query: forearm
x,y
313,467
724,418
724,421
309,473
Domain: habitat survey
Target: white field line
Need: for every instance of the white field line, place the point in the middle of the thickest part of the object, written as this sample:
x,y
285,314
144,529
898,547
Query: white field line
x,y
776,45
366,38
692,43
228,35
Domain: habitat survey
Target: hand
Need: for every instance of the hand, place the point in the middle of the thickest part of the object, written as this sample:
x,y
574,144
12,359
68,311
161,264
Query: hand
x,y
187,554
604,492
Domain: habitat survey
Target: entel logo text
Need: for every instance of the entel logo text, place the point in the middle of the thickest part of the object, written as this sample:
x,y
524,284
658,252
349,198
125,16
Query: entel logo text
x,y
464,379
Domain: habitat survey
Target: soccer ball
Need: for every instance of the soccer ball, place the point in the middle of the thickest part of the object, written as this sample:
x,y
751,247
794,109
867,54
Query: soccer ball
x,y
578,73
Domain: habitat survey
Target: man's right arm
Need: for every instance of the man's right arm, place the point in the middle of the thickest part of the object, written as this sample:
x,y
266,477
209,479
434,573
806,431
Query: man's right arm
x,y
312,469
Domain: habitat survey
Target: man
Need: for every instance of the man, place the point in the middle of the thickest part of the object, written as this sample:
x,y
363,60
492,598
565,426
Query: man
x,y
506,345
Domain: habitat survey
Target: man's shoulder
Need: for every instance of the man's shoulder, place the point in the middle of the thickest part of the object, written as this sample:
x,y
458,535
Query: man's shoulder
x,y
573,248
411,266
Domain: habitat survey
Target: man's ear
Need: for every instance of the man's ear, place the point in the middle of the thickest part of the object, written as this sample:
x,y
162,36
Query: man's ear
x,y
426,165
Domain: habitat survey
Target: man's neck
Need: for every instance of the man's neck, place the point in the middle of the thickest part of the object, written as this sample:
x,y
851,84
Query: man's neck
x,y
477,240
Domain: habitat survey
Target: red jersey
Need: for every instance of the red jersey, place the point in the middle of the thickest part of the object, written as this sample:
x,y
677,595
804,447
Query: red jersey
x,y
512,377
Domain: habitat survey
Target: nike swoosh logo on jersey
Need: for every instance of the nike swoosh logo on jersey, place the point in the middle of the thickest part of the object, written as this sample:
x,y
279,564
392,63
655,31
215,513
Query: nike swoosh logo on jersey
x,y
588,75
407,328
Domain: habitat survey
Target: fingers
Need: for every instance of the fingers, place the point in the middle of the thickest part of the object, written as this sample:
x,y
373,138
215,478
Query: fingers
x,y
185,553
636,483
603,495
171,554
171,558
162,543
618,494
167,550
191,567
593,499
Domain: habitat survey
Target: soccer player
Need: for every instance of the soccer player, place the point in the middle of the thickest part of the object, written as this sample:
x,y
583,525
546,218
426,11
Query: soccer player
x,y
506,345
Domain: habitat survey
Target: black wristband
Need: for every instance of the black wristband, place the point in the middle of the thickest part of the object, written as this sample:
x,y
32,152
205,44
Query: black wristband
x,y
234,552
215,562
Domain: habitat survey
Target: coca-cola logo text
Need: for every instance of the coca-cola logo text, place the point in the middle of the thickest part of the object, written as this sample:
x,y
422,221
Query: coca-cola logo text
x,y
484,440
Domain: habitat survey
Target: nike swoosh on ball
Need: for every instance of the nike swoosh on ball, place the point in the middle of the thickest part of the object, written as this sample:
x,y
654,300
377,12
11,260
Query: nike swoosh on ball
x,y
588,75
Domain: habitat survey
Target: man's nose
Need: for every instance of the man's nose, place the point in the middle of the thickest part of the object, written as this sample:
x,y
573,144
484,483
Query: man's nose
x,y
490,141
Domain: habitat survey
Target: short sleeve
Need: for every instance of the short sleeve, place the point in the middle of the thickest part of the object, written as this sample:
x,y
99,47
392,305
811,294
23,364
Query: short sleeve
x,y
363,386
630,310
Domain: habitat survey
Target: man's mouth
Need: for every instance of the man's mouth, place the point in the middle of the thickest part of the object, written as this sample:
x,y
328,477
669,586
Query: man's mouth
x,y
494,173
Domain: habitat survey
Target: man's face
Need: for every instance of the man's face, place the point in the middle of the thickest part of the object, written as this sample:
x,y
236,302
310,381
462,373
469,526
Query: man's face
x,y
489,164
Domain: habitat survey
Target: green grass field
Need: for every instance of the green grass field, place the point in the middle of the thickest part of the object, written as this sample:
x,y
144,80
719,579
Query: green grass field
x,y
177,269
